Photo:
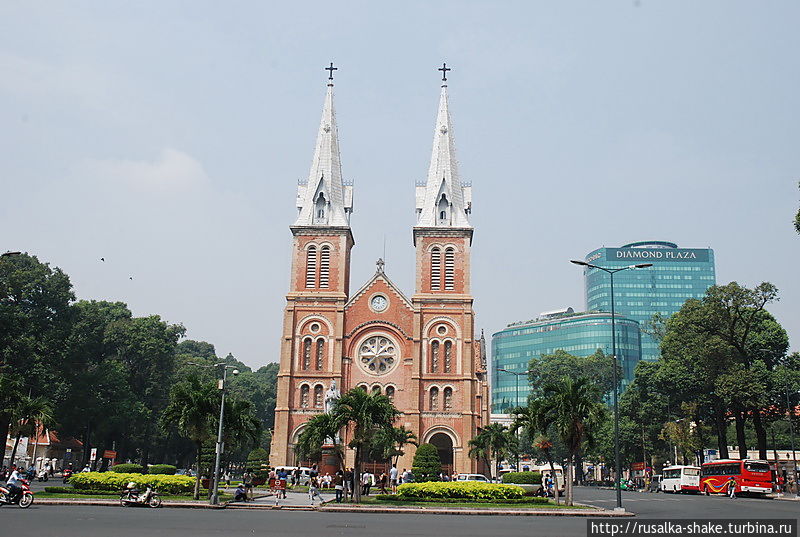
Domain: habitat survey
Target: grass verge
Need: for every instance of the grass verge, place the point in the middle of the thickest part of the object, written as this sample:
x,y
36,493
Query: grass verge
x,y
472,505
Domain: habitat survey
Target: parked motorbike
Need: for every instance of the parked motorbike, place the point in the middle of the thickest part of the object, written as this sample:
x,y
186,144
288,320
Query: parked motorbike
x,y
23,498
131,497
67,473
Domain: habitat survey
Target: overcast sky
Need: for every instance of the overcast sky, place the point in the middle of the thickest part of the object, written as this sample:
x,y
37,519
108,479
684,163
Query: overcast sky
x,y
168,138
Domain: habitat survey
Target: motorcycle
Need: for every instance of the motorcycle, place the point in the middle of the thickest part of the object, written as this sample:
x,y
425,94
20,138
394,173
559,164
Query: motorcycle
x,y
132,497
42,475
23,498
66,474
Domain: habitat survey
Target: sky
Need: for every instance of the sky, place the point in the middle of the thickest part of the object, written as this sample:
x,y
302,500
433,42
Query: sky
x,y
168,138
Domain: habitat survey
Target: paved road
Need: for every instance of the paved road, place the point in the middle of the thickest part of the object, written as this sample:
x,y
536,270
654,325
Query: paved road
x,y
80,521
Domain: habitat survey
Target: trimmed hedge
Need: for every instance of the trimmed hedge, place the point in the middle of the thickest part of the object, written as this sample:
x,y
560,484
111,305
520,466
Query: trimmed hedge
x,y
168,484
469,490
72,490
162,469
401,498
523,478
127,469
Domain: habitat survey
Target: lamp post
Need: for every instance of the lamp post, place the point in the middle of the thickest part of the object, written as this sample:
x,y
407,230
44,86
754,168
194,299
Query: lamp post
x,y
790,412
517,375
611,272
215,491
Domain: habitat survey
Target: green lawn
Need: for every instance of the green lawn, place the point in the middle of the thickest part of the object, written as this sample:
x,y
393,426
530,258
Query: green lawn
x,y
472,505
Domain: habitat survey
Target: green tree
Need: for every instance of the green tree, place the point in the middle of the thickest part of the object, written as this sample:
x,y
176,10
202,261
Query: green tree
x,y
426,466
389,443
27,413
491,443
549,368
318,431
531,421
191,408
572,406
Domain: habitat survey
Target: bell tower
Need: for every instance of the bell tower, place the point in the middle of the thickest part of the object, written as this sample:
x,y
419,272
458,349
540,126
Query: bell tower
x,y
311,346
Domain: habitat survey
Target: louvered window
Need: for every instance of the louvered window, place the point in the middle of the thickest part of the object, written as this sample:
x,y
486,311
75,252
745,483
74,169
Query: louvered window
x,y
436,269
448,399
434,399
311,267
304,396
449,269
318,396
324,266
306,354
435,357
390,392
448,356
320,357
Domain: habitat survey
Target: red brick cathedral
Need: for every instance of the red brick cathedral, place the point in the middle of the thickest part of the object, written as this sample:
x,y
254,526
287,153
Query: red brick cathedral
x,y
421,352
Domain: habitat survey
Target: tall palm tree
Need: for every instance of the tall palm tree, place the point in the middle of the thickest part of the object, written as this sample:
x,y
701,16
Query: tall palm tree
x,y
192,409
318,431
492,442
389,443
572,406
531,420
26,414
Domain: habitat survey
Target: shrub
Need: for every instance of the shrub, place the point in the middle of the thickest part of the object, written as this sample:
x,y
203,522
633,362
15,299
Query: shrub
x,y
426,465
113,481
71,490
523,478
468,490
257,460
401,498
162,469
127,469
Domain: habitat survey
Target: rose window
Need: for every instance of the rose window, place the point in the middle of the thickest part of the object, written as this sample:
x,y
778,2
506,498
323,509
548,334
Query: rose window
x,y
378,355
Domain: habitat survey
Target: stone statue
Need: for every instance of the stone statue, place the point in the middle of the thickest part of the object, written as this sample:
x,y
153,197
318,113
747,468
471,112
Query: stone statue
x,y
331,396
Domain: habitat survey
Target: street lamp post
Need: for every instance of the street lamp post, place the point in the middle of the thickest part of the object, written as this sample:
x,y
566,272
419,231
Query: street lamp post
x,y
790,411
517,375
215,490
617,461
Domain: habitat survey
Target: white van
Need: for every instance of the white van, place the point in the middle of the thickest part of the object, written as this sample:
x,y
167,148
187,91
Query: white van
x,y
545,470
305,473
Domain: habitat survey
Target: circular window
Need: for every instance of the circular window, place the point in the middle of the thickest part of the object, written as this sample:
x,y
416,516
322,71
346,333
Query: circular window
x,y
377,355
314,327
441,330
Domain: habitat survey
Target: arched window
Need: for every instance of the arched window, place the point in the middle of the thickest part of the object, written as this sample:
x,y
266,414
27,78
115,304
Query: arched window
x,y
449,269
318,396
319,209
363,387
443,207
436,269
311,267
448,356
324,266
433,403
376,390
448,399
304,396
390,393
320,353
307,353
434,357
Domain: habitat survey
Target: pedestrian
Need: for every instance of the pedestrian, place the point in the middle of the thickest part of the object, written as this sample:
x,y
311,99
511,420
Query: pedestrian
x,y
247,480
313,489
338,485
732,487
393,478
296,477
314,471
282,479
349,483
382,481
366,482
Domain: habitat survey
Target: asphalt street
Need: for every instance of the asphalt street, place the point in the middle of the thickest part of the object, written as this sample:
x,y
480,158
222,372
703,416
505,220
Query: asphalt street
x,y
87,521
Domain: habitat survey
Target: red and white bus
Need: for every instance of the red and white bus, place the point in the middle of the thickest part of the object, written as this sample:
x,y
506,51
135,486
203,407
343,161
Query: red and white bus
x,y
749,475
680,479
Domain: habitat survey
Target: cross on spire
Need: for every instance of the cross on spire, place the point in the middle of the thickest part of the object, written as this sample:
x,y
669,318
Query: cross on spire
x,y
444,70
330,70
380,263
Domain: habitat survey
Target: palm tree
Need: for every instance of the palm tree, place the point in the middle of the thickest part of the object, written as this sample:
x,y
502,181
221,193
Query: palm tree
x,y
27,413
572,407
389,443
531,420
492,442
317,432
192,408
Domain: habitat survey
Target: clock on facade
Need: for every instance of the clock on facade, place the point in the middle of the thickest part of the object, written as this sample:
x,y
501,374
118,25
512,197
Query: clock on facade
x,y
379,303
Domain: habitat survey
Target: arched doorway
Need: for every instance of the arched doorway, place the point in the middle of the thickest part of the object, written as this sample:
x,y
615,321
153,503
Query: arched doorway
x,y
444,444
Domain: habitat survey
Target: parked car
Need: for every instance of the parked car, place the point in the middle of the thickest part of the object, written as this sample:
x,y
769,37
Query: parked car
x,y
473,477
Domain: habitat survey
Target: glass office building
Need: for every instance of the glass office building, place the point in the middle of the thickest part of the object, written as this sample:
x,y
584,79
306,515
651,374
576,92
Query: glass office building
x,y
677,275
580,334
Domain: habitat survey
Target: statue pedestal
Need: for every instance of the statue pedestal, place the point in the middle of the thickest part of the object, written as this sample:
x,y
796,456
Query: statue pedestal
x,y
329,464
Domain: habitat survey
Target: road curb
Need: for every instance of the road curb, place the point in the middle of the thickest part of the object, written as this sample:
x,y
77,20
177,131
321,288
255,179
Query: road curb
x,y
584,513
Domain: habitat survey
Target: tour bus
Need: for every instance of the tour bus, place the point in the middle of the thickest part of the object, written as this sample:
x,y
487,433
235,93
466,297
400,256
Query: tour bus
x,y
749,475
680,479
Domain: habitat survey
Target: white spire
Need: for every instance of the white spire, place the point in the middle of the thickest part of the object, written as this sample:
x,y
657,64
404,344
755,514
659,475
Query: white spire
x,y
324,200
443,201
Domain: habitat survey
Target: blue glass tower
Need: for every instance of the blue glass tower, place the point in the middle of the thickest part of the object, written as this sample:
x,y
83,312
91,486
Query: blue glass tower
x,y
580,334
677,275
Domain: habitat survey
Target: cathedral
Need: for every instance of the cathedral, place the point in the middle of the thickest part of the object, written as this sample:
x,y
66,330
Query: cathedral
x,y
421,352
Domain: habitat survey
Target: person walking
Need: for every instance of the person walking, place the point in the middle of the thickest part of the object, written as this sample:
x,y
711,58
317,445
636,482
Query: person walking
x,y
382,480
393,478
732,487
313,490
349,483
247,480
338,485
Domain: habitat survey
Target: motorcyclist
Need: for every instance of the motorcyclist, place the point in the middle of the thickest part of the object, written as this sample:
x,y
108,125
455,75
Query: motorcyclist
x,y
14,490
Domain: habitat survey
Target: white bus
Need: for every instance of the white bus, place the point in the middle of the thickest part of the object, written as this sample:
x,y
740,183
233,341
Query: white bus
x,y
680,479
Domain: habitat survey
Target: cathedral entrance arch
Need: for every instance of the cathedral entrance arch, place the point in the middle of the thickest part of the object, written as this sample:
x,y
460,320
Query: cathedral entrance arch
x,y
444,444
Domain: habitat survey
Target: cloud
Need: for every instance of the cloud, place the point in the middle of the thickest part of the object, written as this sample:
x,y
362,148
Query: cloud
x,y
173,171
